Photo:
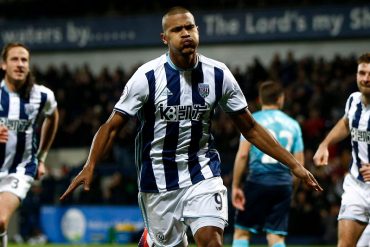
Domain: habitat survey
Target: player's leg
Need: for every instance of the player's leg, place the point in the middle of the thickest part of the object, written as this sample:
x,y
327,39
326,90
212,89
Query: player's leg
x,y
205,211
349,232
210,236
275,240
353,215
251,220
277,217
13,189
364,240
241,238
9,203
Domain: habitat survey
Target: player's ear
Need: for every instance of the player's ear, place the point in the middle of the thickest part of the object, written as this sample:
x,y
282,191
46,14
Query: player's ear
x,y
164,38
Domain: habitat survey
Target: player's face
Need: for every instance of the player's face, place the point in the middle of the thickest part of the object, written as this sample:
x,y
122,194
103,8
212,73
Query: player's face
x,y
16,66
363,78
181,34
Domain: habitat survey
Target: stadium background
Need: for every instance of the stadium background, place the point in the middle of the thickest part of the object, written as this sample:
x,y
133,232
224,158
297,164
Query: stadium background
x,y
309,46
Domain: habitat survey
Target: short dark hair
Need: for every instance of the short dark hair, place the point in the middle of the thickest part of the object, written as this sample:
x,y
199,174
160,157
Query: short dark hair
x,y
364,58
174,11
269,92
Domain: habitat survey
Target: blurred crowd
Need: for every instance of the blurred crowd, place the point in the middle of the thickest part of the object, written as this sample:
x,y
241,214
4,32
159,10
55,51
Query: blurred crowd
x,y
316,89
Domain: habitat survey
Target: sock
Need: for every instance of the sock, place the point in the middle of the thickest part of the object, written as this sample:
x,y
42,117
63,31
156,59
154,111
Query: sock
x,y
240,243
280,244
4,239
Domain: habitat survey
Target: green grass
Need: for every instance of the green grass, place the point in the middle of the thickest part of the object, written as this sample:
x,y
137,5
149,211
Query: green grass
x,y
135,245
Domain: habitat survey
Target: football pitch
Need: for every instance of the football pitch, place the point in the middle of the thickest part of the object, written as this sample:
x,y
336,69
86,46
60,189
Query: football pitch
x,y
135,245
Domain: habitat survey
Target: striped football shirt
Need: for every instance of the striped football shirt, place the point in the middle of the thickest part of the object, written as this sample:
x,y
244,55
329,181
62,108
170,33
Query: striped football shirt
x,y
359,124
20,117
174,146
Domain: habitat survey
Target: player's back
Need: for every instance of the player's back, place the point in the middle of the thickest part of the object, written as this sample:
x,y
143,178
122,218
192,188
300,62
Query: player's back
x,y
263,168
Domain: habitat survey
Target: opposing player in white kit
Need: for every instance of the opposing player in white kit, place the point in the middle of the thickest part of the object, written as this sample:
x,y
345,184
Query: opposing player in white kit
x,y
174,96
22,103
354,214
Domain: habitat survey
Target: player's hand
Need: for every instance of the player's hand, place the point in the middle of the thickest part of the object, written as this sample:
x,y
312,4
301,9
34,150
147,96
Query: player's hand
x,y
83,178
41,170
307,177
321,156
365,172
238,198
4,134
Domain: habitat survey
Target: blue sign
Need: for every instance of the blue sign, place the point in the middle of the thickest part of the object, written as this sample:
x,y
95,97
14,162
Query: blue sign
x,y
91,224
315,23
324,22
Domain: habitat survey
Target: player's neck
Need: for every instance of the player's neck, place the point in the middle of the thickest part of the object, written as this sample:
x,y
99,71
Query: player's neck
x,y
12,85
365,100
270,107
185,61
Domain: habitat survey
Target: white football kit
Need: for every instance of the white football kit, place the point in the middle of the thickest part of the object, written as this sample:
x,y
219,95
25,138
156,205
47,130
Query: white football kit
x,y
18,162
174,147
356,197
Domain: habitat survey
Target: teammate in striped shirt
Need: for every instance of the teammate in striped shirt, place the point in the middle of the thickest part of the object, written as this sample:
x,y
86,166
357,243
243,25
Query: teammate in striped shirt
x,y
175,96
354,213
22,104
263,201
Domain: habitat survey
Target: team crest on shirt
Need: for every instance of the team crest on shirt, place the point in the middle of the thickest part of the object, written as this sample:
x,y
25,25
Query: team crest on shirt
x,y
203,89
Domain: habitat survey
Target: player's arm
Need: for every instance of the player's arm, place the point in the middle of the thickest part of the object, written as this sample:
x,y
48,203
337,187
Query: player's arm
x,y
4,134
261,138
338,133
100,147
365,172
240,169
299,156
48,131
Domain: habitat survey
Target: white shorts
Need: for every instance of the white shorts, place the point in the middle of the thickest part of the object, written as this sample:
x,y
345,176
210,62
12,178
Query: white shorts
x,y
355,200
16,183
167,215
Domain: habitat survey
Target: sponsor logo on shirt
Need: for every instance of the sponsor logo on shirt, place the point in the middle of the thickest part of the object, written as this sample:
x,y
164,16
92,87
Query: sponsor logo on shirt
x,y
360,135
182,112
18,125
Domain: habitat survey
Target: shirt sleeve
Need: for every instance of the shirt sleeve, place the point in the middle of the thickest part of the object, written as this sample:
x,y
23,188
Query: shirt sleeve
x,y
232,99
134,95
51,103
348,105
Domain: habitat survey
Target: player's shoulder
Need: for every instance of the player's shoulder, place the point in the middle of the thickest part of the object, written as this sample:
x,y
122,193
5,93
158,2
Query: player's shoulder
x,y
289,120
288,117
153,64
355,96
277,115
42,88
212,62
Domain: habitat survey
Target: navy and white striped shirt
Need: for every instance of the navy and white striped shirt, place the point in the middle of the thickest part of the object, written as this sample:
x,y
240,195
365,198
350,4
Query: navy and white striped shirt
x,y
174,147
359,124
20,117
